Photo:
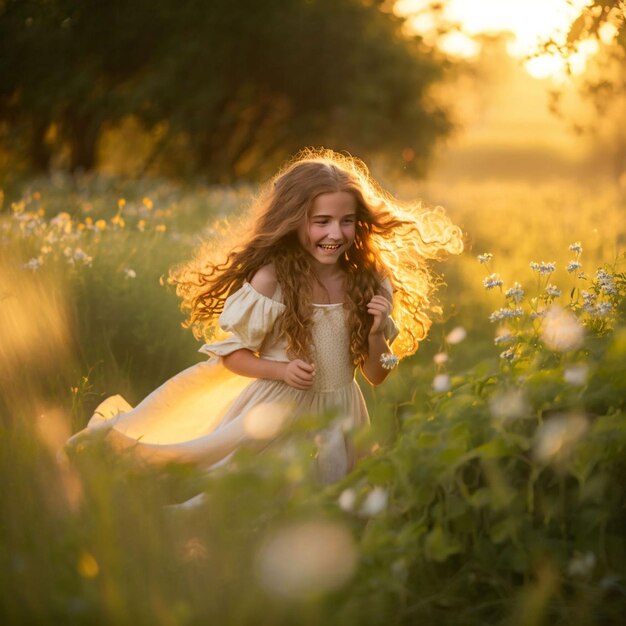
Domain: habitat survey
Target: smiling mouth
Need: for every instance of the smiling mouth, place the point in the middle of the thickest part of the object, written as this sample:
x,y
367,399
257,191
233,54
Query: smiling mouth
x,y
329,246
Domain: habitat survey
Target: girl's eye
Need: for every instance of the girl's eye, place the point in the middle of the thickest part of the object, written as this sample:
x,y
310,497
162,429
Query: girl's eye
x,y
320,222
350,220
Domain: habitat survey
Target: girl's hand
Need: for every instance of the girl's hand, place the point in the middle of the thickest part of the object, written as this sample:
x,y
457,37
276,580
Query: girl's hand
x,y
380,308
299,374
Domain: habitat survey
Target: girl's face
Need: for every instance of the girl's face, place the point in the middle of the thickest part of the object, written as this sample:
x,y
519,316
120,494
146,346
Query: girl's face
x,y
330,228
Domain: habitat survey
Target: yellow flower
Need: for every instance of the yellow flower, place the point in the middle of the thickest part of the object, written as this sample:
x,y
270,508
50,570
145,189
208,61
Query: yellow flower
x,y
121,203
87,565
118,220
148,203
89,221
160,228
36,195
141,225
101,225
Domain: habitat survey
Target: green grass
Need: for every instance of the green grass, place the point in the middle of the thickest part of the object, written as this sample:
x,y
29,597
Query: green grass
x,y
498,499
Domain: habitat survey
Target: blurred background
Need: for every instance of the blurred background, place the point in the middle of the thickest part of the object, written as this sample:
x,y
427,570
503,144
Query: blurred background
x,y
131,132
225,91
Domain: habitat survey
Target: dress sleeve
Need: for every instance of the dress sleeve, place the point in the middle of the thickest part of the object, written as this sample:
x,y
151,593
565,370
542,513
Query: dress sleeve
x,y
391,330
249,316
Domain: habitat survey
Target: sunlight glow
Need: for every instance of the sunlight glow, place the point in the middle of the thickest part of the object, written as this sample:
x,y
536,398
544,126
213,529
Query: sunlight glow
x,y
529,21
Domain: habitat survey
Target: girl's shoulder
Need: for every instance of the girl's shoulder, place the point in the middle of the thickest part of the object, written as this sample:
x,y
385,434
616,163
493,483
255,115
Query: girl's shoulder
x,y
264,280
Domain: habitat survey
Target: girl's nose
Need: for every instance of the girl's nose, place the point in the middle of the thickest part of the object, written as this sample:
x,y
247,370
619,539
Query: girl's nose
x,y
335,230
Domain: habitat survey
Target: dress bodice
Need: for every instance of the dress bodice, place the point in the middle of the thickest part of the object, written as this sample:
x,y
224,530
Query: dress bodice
x,y
252,319
331,348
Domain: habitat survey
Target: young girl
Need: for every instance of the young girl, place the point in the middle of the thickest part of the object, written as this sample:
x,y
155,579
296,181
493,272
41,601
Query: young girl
x,y
306,300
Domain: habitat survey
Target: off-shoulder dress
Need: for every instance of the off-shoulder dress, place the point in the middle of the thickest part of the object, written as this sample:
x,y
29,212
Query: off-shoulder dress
x,y
205,413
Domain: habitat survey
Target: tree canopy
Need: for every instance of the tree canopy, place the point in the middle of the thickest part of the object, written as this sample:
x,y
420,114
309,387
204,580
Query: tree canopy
x,y
603,84
232,85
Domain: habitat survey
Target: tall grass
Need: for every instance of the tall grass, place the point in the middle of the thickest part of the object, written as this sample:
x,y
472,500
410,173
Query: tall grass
x,y
459,516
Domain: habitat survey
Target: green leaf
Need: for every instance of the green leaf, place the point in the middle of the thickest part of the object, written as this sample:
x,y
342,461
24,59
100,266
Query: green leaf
x,y
438,546
504,529
381,474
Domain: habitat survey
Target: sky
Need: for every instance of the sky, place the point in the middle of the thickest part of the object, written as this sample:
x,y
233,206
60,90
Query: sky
x,y
530,21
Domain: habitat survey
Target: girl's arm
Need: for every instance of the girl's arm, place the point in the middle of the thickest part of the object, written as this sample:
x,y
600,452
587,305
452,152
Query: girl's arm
x,y
295,373
379,307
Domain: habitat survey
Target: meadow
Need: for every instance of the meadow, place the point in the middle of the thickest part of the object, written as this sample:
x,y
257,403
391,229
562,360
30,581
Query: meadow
x,y
494,490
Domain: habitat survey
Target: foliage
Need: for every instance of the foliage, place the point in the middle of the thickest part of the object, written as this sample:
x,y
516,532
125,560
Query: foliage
x,y
603,84
593,17
506,502
225,88
493,492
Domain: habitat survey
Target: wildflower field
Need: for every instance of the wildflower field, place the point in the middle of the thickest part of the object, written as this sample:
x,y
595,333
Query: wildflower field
x,y
495,488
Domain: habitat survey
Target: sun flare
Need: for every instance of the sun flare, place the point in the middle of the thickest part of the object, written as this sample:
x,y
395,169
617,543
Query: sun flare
x,y
529,21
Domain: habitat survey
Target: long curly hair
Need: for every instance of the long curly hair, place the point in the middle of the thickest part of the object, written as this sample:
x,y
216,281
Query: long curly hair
x,y
392,241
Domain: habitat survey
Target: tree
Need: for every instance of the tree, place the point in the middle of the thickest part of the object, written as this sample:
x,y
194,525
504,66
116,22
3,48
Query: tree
x,y
603,84
238,84
66,66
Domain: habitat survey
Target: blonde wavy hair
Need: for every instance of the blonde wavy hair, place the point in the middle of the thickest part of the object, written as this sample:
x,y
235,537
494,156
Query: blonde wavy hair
x,y
393,241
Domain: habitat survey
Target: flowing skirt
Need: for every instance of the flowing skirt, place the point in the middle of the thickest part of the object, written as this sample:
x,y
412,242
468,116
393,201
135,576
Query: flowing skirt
x,y
205,413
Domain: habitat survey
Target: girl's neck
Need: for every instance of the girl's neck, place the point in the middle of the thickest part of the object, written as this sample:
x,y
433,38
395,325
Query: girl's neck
x,y
327,272
329,285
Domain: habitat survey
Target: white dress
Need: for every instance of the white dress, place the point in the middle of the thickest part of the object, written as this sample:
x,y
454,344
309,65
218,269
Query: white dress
x,y
205,413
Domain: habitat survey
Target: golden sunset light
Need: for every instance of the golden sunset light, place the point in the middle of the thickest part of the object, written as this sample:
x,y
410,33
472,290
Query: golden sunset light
x,y
531,23
313,312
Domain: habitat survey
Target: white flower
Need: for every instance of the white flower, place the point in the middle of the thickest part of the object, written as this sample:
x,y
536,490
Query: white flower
x,y
572,266
441,383
602,308
508,354
80,255
129,273
374,503
440,358
509,405
492,281
62,221
543,267
581,565
576,247
456,335
576,374
388,360
485,258
506,313
304,558
503,335
606,282
589,302
346,500
553,291
561,330
515,293
556,437
33,264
